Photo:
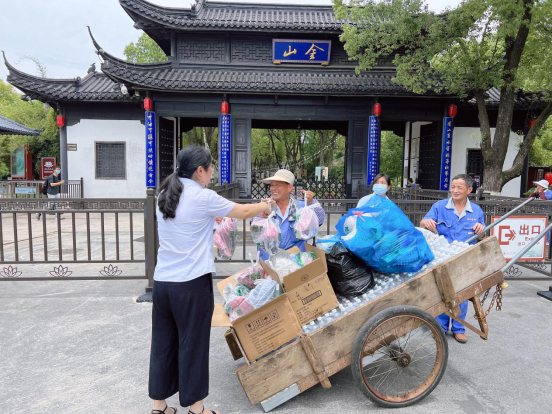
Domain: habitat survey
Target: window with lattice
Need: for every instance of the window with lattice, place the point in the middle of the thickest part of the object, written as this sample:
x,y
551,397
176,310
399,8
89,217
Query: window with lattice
x,y
110,160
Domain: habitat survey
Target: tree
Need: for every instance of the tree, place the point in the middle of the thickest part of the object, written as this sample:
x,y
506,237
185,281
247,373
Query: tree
x,y
391,154
145,50
465,52
34,115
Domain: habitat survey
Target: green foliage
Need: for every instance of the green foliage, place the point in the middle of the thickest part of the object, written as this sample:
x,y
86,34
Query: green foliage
x,y
391,154
31,114
145,50
541,152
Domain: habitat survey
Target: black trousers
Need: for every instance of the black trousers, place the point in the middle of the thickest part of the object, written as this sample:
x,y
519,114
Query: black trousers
x,y
181,330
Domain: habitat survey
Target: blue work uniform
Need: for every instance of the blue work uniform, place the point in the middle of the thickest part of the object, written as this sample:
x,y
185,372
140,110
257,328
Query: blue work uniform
x,y
454,226
287,223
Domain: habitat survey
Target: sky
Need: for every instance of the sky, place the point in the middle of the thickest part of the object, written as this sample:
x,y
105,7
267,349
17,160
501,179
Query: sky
x,y
54,31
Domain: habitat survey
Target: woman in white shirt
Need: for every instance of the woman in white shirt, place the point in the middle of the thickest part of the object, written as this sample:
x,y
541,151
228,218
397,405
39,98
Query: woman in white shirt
x,y
183,299
380,187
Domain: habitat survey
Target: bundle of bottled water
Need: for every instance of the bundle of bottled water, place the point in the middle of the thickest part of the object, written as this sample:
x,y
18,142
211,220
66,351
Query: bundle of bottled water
x,y
442,250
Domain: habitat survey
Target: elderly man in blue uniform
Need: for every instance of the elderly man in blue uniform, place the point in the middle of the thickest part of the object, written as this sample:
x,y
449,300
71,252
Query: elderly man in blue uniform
x,y
456,219
281,186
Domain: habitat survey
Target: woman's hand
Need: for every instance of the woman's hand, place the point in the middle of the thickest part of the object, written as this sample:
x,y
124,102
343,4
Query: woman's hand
x,y
268,202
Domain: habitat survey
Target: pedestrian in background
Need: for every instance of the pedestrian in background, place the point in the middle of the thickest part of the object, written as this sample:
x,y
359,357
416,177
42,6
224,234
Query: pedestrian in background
x,y
53,183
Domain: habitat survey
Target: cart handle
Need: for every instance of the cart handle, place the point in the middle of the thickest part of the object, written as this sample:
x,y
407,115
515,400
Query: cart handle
x,y
490,226
526,248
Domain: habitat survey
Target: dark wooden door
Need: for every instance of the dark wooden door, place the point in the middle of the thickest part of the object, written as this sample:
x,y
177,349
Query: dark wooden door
x,y
429,164
166,147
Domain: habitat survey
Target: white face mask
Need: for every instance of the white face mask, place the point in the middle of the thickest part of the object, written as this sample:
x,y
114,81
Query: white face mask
x,y
379,189
58,171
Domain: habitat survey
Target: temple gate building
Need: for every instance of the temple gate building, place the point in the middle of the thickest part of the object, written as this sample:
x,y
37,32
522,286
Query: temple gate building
x,y
276,66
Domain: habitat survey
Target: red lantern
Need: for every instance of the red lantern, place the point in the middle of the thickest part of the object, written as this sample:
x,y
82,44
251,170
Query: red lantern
x,y
548,177
147,104
377,109
532,122
60,121
224,107
452,111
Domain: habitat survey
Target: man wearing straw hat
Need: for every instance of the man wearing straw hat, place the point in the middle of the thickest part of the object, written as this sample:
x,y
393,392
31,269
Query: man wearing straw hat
x,y
281,186
542,192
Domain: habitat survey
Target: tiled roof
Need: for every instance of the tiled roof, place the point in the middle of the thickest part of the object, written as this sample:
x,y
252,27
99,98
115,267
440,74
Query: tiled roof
x,y
227,16
93,87
523,101
9,127
225,78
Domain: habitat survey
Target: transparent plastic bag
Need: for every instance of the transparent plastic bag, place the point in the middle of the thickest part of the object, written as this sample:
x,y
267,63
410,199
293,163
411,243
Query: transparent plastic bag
x,y
263,293
304,258
243,309
249,276
306,224
266,233
384,237
232,295
283,265
226,238
327,242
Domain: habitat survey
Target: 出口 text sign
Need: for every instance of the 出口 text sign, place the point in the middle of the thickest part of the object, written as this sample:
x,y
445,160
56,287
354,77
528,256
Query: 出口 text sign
x,y
516,232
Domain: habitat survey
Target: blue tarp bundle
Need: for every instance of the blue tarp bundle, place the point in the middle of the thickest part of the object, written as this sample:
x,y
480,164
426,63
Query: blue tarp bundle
x,y
382,235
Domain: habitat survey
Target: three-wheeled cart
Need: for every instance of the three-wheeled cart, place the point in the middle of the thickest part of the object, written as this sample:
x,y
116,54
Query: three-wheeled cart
x,y
396,349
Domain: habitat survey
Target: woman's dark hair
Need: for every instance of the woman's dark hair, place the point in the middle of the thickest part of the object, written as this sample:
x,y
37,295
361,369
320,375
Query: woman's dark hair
x,y
188,160
387,179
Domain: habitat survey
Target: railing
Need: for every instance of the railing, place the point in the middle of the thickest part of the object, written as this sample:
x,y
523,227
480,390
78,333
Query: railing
x,y
117,238
226,190
327,189
26,189
102,239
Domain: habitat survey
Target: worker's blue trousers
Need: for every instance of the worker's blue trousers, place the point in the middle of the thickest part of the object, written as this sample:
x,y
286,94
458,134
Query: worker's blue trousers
x,y
457,327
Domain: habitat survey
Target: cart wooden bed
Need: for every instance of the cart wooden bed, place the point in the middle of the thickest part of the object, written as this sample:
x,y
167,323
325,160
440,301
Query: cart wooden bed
x,y
381,332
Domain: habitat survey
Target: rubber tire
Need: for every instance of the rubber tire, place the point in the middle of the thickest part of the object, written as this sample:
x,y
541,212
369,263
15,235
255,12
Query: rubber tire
x,y
372,324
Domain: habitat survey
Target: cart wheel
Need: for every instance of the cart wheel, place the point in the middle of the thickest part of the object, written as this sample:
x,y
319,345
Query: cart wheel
x,y
399,356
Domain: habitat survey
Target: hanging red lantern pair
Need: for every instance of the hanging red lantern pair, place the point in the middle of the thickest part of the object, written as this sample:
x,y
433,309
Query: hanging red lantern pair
x,y
377,109
147,104
60,121
224,108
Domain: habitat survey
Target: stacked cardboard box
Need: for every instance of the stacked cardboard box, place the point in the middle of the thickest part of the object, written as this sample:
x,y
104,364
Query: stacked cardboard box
x,y
307,295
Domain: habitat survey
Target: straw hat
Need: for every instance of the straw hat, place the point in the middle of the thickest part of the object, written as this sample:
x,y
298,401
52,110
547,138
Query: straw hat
x,y
282,175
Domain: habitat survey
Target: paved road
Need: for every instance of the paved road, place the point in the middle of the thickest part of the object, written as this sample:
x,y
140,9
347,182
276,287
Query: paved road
x,y
83,347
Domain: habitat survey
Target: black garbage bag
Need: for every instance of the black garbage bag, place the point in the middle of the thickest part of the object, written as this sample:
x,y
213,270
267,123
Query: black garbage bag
x,y
348,274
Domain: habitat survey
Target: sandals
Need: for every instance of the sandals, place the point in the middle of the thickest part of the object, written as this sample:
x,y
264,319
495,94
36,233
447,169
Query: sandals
x,y
154,411
191,412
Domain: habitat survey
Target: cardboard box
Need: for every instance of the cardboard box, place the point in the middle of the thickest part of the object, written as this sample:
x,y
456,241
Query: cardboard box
x,y
262,330
309,289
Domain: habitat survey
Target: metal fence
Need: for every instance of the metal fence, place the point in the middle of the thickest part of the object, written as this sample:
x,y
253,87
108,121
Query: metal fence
x,y
26,189
117,238
327,189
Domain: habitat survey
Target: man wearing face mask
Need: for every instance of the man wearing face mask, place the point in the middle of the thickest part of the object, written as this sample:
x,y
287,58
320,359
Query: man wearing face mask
x,y
456,219
53,182
380,187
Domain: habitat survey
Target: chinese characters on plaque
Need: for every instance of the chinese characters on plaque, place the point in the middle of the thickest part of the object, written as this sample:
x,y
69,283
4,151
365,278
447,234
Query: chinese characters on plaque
x,y
150,150
301,51
225,148
373,148
446,153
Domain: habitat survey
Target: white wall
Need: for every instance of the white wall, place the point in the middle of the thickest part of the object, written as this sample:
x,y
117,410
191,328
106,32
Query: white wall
x,y
470,138
82,163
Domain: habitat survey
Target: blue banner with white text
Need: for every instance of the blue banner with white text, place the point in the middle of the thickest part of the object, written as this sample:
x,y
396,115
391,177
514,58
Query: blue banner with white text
x,y
151,170
373,148
225,149
446,153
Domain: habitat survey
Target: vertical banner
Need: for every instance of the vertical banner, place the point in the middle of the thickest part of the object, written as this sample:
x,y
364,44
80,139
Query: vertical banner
x,y
225,148
446,153
151,170
373,148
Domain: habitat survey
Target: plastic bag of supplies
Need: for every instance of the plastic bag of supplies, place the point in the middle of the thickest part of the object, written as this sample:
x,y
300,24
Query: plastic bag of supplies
x,y
348,274
306,224
382,235
249,276
226,238
266,233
